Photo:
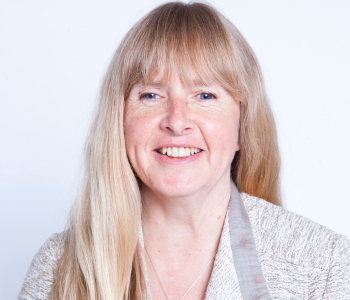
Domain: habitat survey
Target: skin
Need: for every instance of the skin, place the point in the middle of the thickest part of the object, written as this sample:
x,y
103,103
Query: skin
x,y
184,200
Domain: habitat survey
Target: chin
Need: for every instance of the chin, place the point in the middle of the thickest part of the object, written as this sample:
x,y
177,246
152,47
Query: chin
x,y
175,187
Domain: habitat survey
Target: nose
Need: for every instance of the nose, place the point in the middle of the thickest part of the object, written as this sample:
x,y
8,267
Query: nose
x,y
177,120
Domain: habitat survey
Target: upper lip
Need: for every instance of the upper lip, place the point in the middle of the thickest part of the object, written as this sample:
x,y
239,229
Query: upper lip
x,y
176,145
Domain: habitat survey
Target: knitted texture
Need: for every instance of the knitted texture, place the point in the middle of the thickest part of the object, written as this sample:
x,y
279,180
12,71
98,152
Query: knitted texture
x,y
300,259
41,274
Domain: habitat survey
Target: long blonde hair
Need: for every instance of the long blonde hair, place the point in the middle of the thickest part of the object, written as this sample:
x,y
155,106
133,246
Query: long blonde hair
x,y
101,258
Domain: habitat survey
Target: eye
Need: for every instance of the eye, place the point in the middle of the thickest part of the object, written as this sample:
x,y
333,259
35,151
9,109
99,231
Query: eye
x,y
149,96
206,96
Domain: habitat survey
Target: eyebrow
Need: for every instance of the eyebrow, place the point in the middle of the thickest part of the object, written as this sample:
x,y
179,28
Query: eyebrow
x,y
156,85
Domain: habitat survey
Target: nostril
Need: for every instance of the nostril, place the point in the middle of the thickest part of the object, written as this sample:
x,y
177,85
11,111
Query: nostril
x,y
176,123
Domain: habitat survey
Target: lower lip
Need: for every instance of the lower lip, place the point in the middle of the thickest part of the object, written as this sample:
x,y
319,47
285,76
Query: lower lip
x,y
177,160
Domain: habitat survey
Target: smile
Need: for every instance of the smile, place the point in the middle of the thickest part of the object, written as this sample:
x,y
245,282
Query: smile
x,y
178,151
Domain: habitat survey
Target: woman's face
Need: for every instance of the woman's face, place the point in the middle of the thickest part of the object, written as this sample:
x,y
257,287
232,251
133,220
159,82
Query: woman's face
x,y
167,124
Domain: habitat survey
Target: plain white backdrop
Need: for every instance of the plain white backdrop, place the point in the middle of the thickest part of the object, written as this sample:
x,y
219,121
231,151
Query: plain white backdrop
x,y
53,55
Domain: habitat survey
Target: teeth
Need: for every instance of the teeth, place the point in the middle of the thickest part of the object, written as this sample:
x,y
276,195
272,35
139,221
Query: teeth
x,y
175,152
182,152
179,152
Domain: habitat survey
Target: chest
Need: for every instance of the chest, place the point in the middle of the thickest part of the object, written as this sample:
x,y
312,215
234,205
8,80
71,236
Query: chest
x,y
177,285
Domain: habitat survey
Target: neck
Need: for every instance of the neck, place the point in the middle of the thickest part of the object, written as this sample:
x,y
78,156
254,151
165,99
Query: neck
x,y
196,218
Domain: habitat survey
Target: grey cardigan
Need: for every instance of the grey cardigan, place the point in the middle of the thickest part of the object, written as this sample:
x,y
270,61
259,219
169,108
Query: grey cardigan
x,y
300,259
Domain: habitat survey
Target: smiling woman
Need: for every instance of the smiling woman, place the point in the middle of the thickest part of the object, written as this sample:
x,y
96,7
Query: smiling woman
x,y
177,119
180,198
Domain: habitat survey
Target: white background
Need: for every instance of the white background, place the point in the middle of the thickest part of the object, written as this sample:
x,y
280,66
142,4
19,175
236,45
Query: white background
x,y
53,55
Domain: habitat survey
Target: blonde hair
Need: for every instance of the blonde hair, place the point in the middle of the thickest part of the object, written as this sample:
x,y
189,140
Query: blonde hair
x,y
101,258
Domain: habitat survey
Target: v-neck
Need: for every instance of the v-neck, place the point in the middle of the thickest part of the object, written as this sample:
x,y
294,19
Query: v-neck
x,y
223,283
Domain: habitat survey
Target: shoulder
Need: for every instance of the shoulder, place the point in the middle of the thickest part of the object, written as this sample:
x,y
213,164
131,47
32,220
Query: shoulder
x,y
293,238
41,274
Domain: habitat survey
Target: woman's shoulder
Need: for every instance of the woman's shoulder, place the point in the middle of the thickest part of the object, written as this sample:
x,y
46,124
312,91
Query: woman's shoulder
x,y
291,237
41,274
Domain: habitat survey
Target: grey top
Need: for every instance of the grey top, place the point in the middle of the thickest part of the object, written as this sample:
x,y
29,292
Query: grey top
x,y
300,259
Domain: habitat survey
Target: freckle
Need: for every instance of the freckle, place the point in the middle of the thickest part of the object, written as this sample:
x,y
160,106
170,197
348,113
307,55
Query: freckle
x,y
219,217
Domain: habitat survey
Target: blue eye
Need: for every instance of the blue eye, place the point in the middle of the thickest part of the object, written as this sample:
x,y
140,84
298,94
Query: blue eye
x,y
149,96
206,96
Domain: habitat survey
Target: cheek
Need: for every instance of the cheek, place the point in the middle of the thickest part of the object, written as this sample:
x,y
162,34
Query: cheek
x,y
222,129
221,134
132,125
227,140
138,128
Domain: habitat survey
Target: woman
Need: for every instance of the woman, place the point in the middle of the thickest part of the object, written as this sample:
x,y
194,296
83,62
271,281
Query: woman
x,y
183,119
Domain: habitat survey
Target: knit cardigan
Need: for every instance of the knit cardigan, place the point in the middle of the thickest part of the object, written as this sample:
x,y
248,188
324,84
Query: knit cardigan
x,y
300,259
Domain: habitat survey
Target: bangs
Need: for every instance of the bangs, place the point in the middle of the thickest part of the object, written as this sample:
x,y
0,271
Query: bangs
x,y
189,39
